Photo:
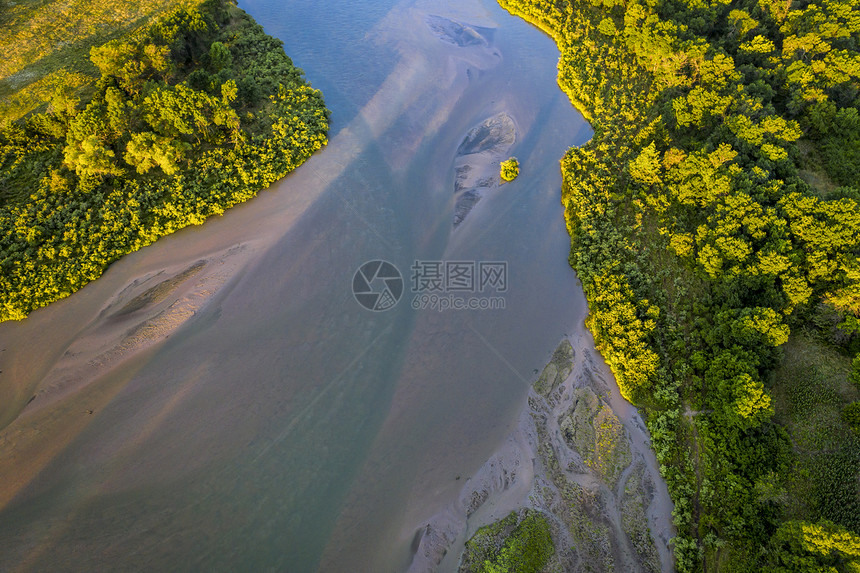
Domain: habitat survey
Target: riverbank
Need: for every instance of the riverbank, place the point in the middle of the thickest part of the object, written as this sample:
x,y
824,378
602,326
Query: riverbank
x,y
186,117
580,455
311,429
704,160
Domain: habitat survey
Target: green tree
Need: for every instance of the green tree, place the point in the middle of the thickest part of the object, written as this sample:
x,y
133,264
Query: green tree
x,y
851,415
813,547
90,157
147,150
646,168
132,62
509,169
219,57
750,404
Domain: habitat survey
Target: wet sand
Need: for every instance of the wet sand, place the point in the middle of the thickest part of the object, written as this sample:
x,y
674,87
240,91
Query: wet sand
x,y
477,167
620,519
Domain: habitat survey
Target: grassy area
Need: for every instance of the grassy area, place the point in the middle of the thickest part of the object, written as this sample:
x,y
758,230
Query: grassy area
x,y
812,171
47,43
593,430
810,390
521,542
557,370
634,519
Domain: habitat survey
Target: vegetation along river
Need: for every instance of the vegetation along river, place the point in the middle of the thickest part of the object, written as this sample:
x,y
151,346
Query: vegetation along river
x,y
221,400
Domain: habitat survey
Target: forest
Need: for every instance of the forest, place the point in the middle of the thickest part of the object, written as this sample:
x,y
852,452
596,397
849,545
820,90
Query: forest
x,y
715,227
169,123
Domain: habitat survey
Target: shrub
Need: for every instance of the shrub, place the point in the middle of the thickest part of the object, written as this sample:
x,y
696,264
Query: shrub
x,y
510,168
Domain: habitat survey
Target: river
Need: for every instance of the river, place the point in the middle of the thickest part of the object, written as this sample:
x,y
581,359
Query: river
x,y
221,401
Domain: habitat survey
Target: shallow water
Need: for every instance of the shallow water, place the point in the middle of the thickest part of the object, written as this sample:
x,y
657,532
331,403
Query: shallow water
x,y
282,426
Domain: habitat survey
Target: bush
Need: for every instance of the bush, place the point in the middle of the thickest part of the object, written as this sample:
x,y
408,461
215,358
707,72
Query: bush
x,y
851,415
510,168
521,543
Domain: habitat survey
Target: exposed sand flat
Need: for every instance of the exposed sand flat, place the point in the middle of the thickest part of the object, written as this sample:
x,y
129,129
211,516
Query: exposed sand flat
x,y
458,34
139,317
620,515
477,163
144,313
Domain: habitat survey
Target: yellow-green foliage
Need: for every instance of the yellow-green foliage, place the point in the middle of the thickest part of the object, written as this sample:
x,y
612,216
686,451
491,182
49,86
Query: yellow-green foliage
x,y
191,115
621,326
509,169
596,433
851,415
42,39
812,547
39,92
697,243
520,542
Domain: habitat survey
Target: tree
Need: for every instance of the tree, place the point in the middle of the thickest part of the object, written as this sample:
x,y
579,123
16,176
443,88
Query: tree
x,y
510,169
219,57
147,150
131,62
800,546
645,169
183,111
750,404
851,415
91,157
854,376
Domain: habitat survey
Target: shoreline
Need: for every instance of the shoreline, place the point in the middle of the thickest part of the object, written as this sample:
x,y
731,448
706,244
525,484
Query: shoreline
x,y
134,322
513,477
136,279
518,476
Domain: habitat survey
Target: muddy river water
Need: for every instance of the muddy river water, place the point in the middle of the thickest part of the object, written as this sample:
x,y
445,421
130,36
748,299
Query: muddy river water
x,y
221,401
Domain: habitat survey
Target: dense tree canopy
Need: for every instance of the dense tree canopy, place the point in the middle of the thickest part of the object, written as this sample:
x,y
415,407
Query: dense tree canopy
x,y
190,115
714,213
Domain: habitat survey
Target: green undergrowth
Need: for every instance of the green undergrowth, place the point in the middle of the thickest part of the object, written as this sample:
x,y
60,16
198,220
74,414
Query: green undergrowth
x,y
811,390
521,543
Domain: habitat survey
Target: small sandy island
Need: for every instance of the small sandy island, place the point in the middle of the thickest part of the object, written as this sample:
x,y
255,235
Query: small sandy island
x,y
581,458
461,35
476,166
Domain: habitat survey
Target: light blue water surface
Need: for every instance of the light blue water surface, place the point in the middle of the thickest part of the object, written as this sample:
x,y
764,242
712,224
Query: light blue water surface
x,y
284,427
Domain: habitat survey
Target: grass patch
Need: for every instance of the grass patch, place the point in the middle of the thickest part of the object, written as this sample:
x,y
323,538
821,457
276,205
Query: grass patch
x,y
812,170
596,433
634,520
44,41
810,391
521,542
557,370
